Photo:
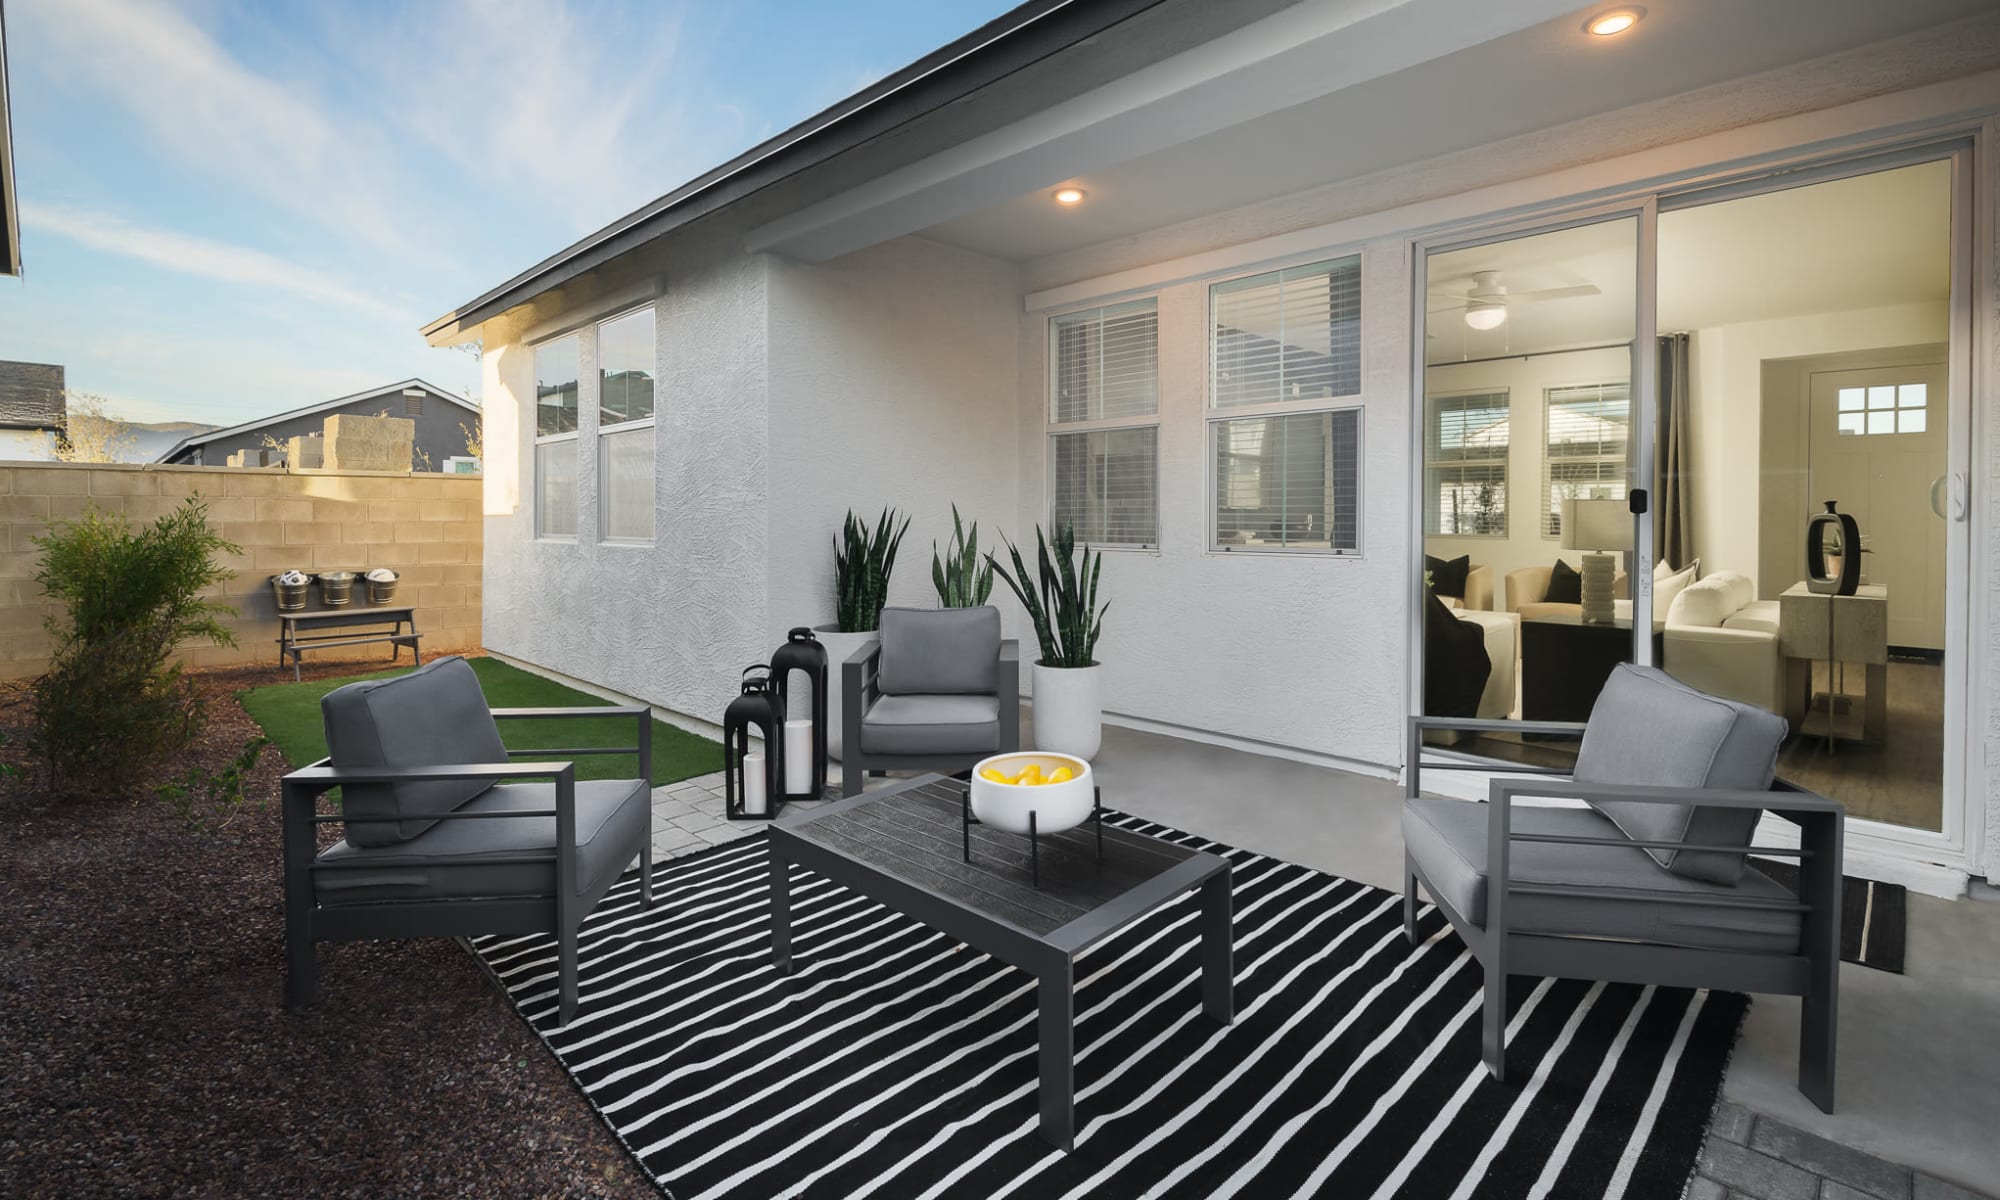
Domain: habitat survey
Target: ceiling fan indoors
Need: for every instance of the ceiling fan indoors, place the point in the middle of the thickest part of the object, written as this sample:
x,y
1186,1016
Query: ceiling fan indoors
x,y
1486,302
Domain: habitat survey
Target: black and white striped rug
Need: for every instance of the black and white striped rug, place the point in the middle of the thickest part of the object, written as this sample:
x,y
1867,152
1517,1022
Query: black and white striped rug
x,y
898,1063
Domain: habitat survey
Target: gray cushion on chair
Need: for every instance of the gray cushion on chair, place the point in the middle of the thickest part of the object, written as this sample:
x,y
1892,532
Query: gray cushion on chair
x,y
612,817
1649,729
1447,838
932,725
434,716
940,651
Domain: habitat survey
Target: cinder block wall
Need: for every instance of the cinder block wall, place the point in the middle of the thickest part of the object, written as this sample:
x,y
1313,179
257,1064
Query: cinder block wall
x,y
427,526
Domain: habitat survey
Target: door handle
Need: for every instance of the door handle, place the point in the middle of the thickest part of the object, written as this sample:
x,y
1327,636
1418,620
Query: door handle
x,y
1951,487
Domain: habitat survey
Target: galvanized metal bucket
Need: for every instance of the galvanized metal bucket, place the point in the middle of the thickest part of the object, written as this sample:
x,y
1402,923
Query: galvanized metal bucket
x,y
336,588
291,596
381,591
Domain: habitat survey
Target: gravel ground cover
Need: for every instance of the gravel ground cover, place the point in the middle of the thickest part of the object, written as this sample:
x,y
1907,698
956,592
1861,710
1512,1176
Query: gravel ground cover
x,y
145,1050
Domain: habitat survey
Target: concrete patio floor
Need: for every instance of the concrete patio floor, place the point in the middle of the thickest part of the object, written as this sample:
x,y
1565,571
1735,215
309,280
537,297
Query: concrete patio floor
x,y
1919,1053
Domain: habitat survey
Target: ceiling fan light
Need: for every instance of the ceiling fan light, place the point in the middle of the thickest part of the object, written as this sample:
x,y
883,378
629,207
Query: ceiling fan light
x,y
1485,316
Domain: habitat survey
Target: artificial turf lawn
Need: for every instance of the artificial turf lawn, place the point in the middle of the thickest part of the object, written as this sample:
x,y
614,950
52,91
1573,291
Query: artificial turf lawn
x,y
289,714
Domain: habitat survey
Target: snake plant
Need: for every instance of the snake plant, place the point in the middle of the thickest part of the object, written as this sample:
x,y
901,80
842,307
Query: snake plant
x,y
862,564
960,579
1063,605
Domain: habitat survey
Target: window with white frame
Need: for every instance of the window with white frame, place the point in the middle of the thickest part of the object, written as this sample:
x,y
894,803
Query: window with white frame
x,y
1587,428
555,438
1465,465
1284,427
625,427
1104,417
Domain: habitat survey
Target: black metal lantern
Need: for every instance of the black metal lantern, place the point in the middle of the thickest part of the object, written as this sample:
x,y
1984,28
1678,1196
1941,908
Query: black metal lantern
x,y
757,708
802,652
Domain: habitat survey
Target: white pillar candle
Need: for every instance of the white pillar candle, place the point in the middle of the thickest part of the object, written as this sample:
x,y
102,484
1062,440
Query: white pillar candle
x,y
755,800
798,757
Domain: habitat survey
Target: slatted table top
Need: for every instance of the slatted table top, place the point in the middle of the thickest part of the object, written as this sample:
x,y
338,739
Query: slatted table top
x,y
912,833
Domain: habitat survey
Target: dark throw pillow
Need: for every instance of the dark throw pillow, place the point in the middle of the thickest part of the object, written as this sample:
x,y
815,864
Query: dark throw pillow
x,y
1565,585
1448,578
1455,662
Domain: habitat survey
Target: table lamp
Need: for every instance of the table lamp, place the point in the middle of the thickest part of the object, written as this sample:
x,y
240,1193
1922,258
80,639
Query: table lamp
x,y
1597,527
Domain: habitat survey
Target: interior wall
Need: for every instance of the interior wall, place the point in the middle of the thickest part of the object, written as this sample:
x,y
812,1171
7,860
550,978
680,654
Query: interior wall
x,y
1300,651
892,384
1726,435
1525,380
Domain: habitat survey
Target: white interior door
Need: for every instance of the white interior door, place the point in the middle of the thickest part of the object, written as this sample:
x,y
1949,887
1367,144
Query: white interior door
x,y
1877,442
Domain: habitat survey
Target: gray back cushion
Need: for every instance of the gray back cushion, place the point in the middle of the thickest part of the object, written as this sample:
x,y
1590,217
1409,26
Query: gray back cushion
x,y
1649,729
435,716
940,651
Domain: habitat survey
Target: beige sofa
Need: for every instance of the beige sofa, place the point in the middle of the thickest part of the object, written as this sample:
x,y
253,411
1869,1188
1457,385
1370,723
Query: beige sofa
x,y
1478,591
1527,586
1722,639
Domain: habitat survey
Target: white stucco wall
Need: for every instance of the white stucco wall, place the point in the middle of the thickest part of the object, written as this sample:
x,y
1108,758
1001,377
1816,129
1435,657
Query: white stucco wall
x,y
1303,652
664,622
892,384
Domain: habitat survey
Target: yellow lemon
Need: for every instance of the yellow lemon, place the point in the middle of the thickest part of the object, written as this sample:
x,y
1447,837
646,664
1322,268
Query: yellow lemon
x,y
989,773
1059,775
1032,775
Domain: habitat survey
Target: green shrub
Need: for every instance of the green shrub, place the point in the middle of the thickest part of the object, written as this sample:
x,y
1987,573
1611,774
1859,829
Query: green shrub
x,y
114,702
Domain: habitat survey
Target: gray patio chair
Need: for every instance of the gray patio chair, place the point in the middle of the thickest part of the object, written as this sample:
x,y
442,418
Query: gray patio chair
x,y
939,691
1649,883
444,836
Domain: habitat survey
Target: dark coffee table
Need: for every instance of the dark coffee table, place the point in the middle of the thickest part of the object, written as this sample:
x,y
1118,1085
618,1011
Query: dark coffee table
x,y
902,847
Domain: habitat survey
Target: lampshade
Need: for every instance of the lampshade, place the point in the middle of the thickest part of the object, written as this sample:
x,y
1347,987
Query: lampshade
x,y
1596,525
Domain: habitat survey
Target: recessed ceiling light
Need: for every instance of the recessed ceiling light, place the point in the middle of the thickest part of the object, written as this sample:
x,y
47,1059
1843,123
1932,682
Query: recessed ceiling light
x,y
1069,195
1613,23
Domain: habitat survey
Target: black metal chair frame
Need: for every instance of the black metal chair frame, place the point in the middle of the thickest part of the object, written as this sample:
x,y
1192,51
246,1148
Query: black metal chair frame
x,y
1813,973
859,690
308,922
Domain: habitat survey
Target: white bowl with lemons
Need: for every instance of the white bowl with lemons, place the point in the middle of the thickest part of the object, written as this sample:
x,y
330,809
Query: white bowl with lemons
x,y
1057,788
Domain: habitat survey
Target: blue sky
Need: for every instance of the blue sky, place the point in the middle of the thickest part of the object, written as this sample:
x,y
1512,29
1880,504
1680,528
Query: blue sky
x,y
232,207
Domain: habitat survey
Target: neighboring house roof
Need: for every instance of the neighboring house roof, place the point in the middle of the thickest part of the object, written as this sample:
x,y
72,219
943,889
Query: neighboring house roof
x,y
1016,39
394,389
31,396
10,213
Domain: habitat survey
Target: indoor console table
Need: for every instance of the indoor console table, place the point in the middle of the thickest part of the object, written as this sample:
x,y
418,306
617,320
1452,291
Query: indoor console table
x,y
1836,630
902,847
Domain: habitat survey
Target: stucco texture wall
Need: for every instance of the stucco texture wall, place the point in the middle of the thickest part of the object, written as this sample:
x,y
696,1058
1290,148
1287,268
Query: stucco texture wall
x,y
1299,651
425,527
669,622
892,385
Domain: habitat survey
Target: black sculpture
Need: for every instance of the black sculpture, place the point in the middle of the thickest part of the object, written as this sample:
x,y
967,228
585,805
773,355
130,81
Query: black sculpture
x,y
1845,574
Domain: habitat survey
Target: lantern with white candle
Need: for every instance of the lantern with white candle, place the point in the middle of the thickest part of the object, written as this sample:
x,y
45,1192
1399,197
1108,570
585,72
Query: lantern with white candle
x,y
753,780
801,661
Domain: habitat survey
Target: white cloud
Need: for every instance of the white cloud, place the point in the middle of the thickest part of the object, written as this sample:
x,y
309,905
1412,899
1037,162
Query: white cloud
x,y
207,258
213,113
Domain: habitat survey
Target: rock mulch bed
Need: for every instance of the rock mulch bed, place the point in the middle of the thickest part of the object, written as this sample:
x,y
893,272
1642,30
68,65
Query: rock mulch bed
x,y
145,1049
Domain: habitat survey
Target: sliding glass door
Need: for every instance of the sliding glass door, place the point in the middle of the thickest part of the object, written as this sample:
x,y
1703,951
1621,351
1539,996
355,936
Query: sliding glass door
x,y
1529,463
1635,425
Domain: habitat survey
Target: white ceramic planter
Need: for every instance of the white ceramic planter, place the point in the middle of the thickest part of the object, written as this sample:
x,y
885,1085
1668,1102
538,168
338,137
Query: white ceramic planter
x,y
1069,709
1057,806
838,647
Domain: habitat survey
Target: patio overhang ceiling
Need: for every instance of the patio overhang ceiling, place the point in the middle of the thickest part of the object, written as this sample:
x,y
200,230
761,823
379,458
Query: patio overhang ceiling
x,y
1321,92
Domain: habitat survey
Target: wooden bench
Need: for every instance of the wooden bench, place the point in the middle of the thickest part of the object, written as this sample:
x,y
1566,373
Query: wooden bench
x,y
302,631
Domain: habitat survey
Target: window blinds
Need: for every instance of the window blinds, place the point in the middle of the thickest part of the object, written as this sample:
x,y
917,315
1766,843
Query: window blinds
x,y
1106,363
1465,464
1287,335
1588,430
1288,482
1106,485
